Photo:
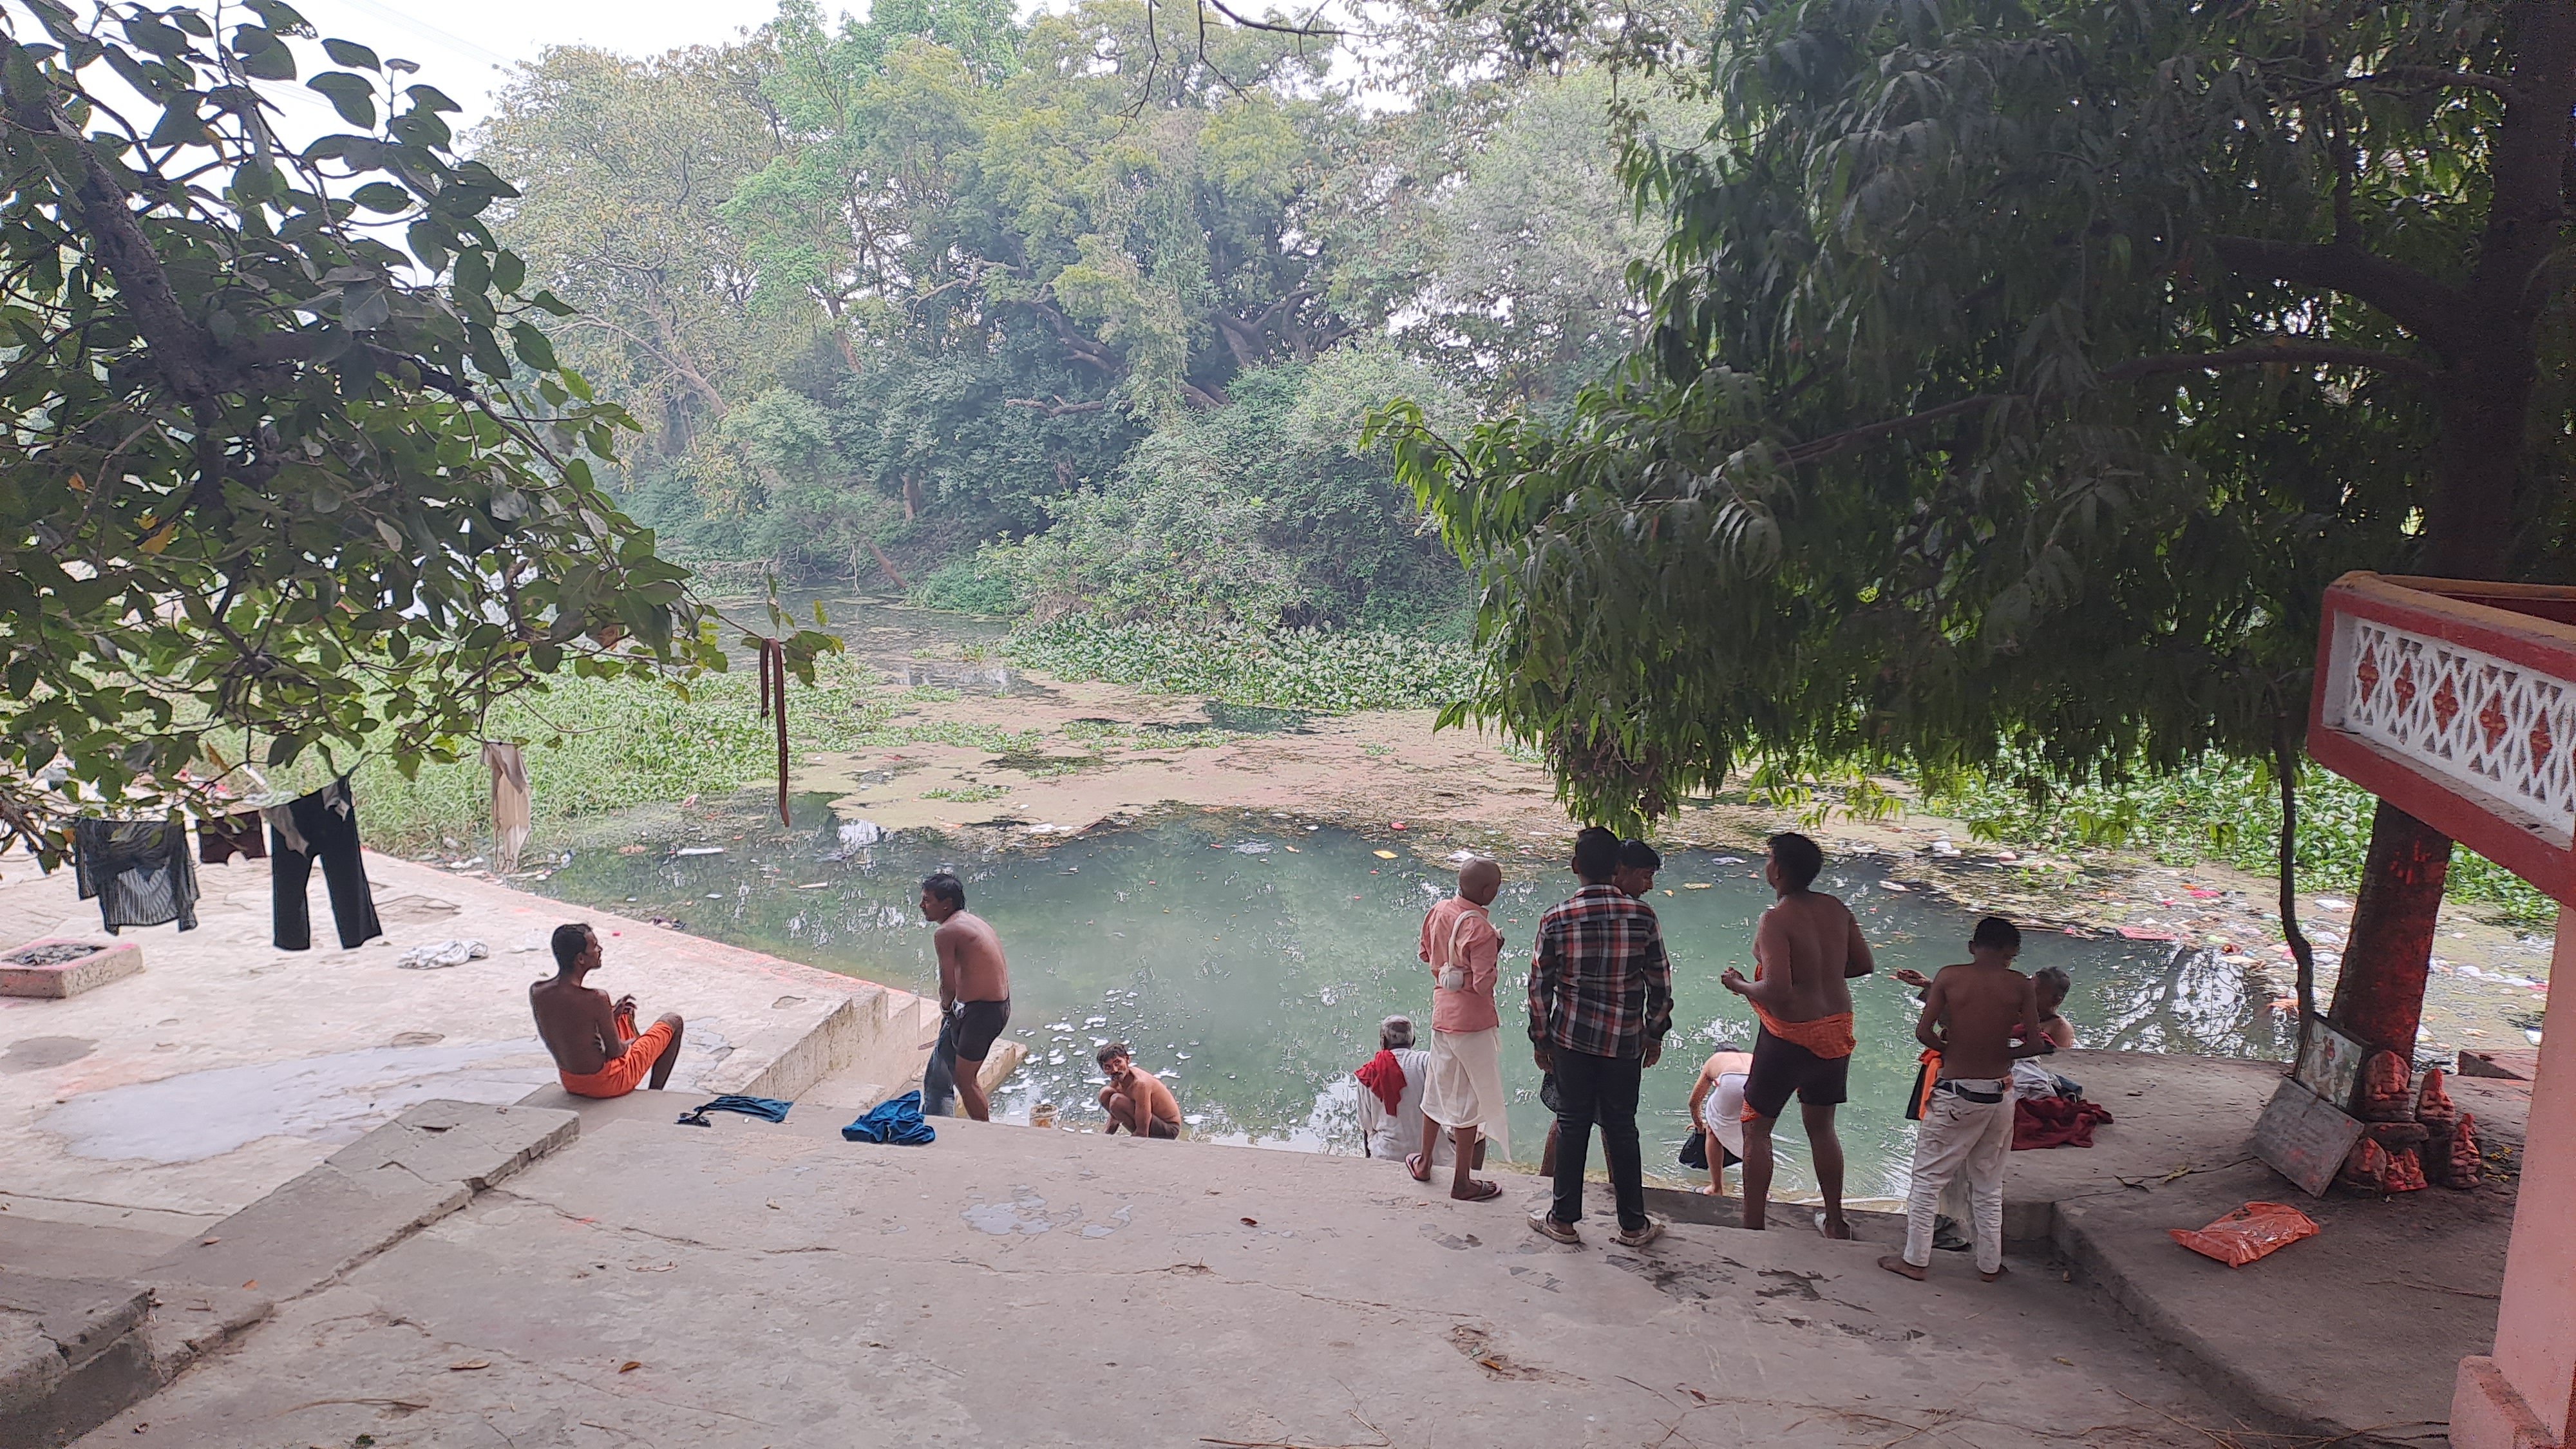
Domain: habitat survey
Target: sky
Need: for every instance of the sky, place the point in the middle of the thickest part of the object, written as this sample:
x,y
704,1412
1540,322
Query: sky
x,y
466,47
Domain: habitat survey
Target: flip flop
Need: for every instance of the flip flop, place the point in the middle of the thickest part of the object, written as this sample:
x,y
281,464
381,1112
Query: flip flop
x,y
1483,1192
1414,1169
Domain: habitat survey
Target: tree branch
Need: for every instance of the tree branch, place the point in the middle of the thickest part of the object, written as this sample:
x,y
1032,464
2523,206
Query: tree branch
x,y
1057,408
2260,355
2420,77
2265,354
2411,299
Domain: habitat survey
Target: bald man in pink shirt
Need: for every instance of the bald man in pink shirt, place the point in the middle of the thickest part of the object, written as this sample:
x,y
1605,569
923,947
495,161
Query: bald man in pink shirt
x,y
1465,1094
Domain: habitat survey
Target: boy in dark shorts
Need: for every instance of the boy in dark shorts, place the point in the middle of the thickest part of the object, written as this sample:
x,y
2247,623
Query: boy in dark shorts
x,y
974,1000
1804,953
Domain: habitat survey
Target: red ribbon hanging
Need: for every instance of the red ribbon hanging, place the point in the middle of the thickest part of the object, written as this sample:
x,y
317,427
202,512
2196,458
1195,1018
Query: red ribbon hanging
x,y
773,705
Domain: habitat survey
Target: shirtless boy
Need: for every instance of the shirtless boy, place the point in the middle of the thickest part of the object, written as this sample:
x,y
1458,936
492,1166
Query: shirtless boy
x,y
1137,1101
1970,1015
1804,953
974,998
597,1051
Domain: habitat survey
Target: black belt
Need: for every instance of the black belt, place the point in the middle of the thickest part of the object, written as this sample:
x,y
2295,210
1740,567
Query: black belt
x,y
1983,1099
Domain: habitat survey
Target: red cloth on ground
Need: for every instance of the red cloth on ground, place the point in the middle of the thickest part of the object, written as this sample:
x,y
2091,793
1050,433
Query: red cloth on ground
x,y
1384,1076
2055,1122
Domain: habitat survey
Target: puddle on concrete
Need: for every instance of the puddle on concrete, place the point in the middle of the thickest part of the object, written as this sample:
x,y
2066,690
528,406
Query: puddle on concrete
x,y
1250,958
35,1053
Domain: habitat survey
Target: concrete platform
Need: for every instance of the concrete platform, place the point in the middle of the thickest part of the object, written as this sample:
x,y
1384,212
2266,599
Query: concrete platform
x,y
751,1284
2355,1332
161,1102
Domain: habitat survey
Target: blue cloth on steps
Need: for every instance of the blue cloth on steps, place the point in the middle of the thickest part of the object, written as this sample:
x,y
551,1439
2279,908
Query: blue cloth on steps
x,y
898,1121
768,1109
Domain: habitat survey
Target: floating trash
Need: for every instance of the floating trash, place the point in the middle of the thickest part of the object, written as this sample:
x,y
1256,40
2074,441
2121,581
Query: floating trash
x,y
1253,847
699,850
855,833
1383,854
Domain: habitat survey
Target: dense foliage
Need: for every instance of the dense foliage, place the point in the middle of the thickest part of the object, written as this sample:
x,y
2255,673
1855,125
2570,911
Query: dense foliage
x,y
887,289
2019,374
267,475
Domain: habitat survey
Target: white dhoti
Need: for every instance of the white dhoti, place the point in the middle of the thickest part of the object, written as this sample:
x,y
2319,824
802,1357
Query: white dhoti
x,y
1466,1088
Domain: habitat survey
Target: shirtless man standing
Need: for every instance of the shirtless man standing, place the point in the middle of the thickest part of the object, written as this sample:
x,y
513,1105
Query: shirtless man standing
x,y
1970,1016
597,1051
974,998
1804,953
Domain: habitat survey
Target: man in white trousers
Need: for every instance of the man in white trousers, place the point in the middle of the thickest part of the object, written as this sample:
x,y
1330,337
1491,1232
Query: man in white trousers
x,y
1465,1094
1969,1016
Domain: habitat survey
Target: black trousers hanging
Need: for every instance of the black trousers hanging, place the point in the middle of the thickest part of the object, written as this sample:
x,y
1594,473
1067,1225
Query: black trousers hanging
x,y
321,826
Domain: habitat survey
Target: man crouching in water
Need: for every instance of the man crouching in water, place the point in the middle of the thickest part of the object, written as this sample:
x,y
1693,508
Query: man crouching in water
x,y
596,1048
1804,951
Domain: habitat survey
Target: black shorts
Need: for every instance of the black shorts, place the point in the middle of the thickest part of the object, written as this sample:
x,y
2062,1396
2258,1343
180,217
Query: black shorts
x,y
1781,1068
978,1024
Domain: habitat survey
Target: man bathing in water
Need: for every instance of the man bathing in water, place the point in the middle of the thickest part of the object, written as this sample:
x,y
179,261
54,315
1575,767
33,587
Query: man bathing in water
x,y
597,1051
1970,1015
1137,1101
974,999
1804,954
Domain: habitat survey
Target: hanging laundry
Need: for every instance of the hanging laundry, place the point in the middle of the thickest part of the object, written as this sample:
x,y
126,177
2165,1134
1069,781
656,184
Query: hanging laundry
x,y
512,815
321,826
138,871
221,837
773,695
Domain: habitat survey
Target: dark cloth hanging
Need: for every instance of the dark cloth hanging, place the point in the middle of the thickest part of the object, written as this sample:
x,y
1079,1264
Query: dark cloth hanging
x,y
773,695
321,826
221,837
138,871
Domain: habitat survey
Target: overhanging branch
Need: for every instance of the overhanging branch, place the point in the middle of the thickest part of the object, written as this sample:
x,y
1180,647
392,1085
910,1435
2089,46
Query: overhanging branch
x,y
2411,299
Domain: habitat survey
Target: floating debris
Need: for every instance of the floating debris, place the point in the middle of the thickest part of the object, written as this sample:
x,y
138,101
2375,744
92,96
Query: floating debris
x,y
699,850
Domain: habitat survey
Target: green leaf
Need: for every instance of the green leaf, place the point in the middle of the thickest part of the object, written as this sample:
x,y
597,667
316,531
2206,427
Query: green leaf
x,y
262,55
353,96
532,347
382,196
351,53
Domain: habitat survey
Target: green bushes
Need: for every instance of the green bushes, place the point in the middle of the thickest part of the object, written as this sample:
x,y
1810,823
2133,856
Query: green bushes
x,y
2220,810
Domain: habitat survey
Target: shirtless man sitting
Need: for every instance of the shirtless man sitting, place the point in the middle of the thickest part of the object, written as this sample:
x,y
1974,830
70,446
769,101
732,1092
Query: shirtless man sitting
x,y
1804,954
974,999
1137,1101
597,1050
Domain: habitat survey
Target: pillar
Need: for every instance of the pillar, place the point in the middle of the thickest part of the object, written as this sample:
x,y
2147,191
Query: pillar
x,y
2523,1396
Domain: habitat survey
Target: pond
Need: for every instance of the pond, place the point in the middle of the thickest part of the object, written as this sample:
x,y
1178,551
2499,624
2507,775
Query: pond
x,y
1250,958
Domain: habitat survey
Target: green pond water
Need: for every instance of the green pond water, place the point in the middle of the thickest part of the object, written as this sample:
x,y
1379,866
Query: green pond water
x,y
1250,957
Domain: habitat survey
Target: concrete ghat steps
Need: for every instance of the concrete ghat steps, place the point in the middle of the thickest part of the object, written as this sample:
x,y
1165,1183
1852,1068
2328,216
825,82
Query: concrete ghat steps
x,y
75,1352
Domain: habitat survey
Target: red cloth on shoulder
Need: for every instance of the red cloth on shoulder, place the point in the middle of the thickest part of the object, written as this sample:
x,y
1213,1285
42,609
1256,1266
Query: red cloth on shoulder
x,y
1384,1075
2055,1122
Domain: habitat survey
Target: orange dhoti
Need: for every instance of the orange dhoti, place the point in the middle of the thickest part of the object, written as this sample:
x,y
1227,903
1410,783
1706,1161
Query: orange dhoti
x,y
627,1072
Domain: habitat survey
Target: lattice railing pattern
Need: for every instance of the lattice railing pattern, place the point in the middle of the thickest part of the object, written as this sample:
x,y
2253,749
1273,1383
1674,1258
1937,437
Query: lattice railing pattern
x,y
2497,729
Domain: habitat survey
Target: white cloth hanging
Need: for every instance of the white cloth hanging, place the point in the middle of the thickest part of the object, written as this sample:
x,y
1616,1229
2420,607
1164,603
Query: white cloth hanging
x,y
513,817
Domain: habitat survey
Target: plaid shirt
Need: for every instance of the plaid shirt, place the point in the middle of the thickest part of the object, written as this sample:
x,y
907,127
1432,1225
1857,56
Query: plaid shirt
x,y
1598,980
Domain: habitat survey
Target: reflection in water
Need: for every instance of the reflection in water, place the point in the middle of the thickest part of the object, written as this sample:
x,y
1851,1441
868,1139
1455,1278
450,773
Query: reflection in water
x,y
1251,956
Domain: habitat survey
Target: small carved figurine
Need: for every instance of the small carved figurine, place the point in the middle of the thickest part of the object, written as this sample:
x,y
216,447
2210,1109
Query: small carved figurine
x,y
2381,1095
2433,1105
2464,1166
2405,1171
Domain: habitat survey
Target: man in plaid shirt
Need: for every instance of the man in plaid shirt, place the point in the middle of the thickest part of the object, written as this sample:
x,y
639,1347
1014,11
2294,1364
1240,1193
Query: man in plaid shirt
x,y
1600,1001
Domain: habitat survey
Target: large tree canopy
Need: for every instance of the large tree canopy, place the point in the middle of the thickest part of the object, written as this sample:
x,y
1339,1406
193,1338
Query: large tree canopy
x,y
268,475
2021,372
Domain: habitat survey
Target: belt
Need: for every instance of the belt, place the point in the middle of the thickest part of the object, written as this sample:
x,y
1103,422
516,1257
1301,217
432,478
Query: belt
x,y
1967,1093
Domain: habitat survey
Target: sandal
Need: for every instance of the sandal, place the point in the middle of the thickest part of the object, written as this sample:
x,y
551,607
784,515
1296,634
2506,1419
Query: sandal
x,y
1480,1192
1546,1226
1414,1169
1653,1229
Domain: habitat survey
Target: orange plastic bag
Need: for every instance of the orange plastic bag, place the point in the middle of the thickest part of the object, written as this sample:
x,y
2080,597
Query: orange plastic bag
x,y
2248,1233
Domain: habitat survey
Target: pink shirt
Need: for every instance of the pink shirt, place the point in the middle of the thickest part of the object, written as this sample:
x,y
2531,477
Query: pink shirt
x,y
1461,926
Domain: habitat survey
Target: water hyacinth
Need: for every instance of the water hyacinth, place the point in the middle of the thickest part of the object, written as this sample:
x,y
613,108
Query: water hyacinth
x,y
1327,671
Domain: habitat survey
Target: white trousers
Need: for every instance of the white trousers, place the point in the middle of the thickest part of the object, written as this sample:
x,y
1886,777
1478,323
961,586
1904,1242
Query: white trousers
x,y
1960,1138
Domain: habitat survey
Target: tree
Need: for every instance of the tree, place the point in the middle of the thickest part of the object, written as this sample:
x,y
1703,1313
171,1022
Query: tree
x,y
2020,374
264,475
